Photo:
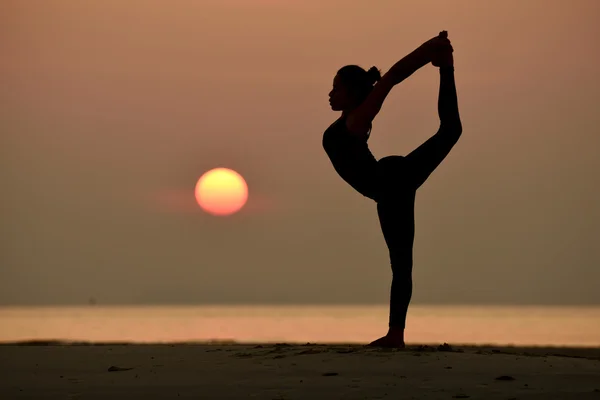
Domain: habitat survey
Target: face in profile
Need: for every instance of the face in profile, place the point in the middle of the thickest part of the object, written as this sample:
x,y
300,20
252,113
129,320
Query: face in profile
x,y
340,98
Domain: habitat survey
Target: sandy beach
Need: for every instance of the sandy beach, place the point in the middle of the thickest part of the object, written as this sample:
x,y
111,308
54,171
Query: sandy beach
x,y
53,370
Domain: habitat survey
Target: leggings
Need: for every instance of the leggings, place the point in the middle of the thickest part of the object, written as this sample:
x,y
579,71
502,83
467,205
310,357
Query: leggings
x,y
398,179
395,208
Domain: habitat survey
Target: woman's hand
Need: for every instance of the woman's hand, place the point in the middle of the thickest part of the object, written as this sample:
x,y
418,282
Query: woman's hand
x,y
442,52
429,50
421,56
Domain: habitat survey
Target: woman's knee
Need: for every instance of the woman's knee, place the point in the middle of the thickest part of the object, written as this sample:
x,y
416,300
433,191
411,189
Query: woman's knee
x,y
402,264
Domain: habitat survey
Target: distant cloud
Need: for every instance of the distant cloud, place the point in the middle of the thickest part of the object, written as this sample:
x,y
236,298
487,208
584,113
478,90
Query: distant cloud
x,y
182,201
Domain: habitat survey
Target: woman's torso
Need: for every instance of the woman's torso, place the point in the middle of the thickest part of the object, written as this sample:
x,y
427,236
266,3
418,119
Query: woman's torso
x,y
351,158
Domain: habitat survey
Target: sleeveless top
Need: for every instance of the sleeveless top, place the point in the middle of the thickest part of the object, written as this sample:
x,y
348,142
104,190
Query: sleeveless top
x,y
351,158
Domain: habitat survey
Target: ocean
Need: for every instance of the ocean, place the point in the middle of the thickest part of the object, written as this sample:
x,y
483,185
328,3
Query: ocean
x,y
492,325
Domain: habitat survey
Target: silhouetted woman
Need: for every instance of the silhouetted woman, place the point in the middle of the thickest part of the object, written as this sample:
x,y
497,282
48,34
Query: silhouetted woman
x,y
392,181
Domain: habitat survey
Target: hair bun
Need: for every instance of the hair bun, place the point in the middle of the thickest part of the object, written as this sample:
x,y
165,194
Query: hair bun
x,y
374,75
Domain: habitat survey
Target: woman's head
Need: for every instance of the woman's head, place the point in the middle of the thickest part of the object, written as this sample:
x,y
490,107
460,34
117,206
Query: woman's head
x,y
351,86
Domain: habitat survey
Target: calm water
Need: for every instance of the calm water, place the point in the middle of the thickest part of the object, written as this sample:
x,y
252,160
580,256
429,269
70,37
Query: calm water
x,y
572,326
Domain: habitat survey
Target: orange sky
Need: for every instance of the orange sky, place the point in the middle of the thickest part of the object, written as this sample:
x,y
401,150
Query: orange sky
x,y
111,110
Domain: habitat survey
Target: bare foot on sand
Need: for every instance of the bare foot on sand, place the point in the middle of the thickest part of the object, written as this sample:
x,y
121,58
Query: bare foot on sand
x,y
388,341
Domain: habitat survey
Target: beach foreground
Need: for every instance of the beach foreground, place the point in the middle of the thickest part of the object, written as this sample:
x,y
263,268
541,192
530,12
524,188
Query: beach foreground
x,y
48,370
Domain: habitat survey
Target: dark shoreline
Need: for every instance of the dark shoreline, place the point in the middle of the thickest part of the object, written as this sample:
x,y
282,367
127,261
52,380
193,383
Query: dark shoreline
x,y
590,353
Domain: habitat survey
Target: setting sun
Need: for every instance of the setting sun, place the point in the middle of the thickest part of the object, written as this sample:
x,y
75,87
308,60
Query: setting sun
x,y
221,191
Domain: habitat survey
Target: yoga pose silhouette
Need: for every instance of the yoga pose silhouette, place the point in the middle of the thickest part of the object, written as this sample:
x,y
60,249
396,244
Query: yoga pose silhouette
x,y
392,181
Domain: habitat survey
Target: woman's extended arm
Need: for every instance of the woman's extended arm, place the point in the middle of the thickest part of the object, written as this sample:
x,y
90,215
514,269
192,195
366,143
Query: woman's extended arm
x,y
360,119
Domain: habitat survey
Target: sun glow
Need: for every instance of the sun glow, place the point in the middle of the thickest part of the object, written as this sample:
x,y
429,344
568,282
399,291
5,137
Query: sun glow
x,y
221,191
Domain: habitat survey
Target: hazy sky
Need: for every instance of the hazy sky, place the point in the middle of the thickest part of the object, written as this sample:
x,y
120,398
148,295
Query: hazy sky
x,y
112,109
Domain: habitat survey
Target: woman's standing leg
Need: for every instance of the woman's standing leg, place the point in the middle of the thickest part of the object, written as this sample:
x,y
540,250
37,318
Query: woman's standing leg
x,y
398,232
396,216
